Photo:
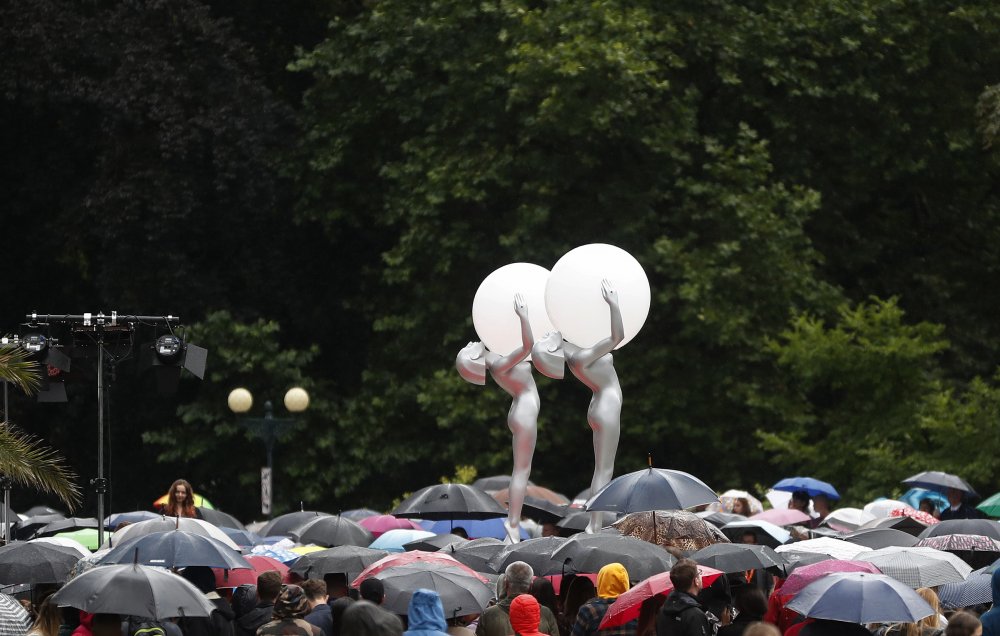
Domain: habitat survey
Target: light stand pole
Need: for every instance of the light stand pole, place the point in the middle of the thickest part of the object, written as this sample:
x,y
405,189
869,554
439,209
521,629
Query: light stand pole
x,y
268,429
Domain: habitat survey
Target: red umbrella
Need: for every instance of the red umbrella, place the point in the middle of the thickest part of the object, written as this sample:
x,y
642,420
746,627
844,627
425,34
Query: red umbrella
x,y
260,565
919,515
415,556
806,574
782,516
380,524
626,607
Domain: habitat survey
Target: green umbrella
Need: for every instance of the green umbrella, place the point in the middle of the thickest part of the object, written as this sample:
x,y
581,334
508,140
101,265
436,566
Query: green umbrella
x,y
86,536
991,505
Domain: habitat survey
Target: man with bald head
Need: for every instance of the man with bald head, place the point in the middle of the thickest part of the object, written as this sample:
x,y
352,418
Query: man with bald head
x,y
495,621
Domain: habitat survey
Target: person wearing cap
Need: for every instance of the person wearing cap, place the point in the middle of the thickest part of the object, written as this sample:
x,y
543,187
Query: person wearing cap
x,y
425,616
525,615
290,609
612,581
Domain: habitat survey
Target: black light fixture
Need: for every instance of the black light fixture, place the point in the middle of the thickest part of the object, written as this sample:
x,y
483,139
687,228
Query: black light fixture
x,y
167,355
168,348
52,362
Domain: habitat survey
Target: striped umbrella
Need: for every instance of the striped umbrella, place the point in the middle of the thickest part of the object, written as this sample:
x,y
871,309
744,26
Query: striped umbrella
x,y
835,548
918,567
975,590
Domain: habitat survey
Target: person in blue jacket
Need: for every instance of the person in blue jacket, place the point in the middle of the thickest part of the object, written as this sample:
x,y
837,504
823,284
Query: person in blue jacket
x,y
425,616
991,619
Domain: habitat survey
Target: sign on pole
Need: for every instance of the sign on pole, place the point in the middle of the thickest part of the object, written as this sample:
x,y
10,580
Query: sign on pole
x,y
265,490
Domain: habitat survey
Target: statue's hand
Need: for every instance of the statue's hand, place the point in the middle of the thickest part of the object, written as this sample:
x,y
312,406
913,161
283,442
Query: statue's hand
x,y
520,307
609,293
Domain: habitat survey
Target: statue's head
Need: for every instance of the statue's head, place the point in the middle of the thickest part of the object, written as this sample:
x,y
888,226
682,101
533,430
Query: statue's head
x,y
471,363
547,355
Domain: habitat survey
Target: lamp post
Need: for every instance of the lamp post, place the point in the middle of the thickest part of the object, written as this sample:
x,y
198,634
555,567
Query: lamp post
x,y
269,429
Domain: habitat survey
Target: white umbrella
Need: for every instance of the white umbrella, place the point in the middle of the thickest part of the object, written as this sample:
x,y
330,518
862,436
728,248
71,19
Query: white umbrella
x,y
918,566
883,507
847,519
165,524
835,548
65,542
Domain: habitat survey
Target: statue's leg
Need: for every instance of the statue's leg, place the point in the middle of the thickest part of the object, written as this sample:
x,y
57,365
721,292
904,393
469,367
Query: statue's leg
x,y
524,428
606,433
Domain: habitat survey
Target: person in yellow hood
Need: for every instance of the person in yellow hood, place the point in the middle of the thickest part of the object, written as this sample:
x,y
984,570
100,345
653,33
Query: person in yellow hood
x,y
612,581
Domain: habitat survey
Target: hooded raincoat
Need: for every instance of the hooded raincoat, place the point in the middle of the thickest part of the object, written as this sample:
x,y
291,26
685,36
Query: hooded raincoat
x,y
991,619
426,615
525,615
612,581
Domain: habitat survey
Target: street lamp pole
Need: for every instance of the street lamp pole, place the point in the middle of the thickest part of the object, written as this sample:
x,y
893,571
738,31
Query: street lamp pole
x,y
268,429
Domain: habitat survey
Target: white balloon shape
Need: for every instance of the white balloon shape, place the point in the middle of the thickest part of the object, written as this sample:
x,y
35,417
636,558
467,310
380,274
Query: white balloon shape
x,y
493,307
573,294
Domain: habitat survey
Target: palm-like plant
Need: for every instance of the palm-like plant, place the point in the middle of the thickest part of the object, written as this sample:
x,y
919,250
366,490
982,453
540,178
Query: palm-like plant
x,y
24,458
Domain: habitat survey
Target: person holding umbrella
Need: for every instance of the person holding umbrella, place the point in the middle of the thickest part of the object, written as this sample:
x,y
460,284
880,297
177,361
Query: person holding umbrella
x,y
959,508
612,581
682,614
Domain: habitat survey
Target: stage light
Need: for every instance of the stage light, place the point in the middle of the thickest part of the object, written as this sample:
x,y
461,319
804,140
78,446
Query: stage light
x,y
34,343
168,348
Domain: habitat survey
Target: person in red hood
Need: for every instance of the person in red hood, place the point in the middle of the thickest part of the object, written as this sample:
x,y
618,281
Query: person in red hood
x,y
83,629
525,615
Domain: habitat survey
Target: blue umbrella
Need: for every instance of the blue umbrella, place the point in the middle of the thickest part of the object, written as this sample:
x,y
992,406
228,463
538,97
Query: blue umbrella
x,y
112,522
812,486
975,590
476,529
393,540
860,597
914,496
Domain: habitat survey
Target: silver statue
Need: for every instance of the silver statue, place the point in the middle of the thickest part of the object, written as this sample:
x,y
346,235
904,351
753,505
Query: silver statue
x,y
594,366
512,373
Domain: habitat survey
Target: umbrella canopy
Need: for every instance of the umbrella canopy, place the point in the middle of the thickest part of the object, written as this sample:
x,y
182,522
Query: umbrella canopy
x,y
357,514
578,519
766,533
166,524
535,552
940,482
626,607
918,567
433,543
903,523
882,507
877,538
543,511
13,617
835,548
176,549
670,528
64,542
345,558
976,550
536,492
812,486
806,574
380,524
718,518
475,528
914,496
437,559
450,501
860,597
111,522
330,531
258,564
990,506
87,537
797,560
729,501
477,553
982,527
591,552
242,538
220,519
25,528
782,516
975,590
66,525
26,562
847,519
283,524
493,483
921,516
460,593
135,590
394,540
738,557
652,489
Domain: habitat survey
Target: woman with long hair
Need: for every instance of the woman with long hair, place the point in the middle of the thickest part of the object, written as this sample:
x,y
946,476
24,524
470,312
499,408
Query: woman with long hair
x,y
48,620
180,500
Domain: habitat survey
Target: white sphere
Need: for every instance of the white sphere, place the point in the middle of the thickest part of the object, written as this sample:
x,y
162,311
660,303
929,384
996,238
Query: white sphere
x,y
573,296
296,400
493,315
240,400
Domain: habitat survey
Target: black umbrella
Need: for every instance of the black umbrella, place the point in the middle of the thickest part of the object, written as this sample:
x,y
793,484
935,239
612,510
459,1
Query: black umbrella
x,y
433,544
905,524
176,549
23,562
66,525
983,527
450,501
331,531
535,552
494,482
36,511
578,519
134,590
878,538
460,593
357,514
283,524
738,557
718,518
798,559
476,553
940,482
590,552
220,519
25,528
350,559
543,510
652,489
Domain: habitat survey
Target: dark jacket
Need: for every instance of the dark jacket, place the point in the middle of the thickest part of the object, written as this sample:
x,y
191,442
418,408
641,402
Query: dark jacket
x,y
833,628
249,623
737,627
965,511
321,616
991,619
682,615
220,623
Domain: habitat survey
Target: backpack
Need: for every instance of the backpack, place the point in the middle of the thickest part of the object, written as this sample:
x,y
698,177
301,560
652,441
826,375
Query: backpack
x,y
137,626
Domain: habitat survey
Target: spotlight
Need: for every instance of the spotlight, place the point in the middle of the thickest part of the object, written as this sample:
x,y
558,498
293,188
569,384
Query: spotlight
x,y
34,343
168,348
167,355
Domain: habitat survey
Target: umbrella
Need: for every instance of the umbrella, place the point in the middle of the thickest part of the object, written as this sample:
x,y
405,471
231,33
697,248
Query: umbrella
x,y
543,511
278,554
877,538
806,574
536,492
848,519
975,590
767,533
450,501
241,538
25,562
990,506
882,507
797,560
982,527
812,486
591,552
258,565
728,499
909,525
652,489
835,548
357,514
579,519
198,500
87,537
380,524
329,531
306,549
111,522
782,516
535,552
494,482
476,553
940,482
13,617
670,528
460,593
283,524
134,590
626,607
919,515
475,528
860,597
345,558
416,556
25,528
220,519
918,567
176,549
64,542
976,550
433,543
36,511
394,540
718,518
914,496
738,557
65,525
165,524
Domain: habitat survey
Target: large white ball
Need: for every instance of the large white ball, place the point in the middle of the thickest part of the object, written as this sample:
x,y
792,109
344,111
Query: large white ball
x,y
573,296
493,315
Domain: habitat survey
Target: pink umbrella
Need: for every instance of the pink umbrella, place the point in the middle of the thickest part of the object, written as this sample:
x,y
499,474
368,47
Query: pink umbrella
x,y
380,524
414,556
782,516
260,564
806,574
626,607
919,515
